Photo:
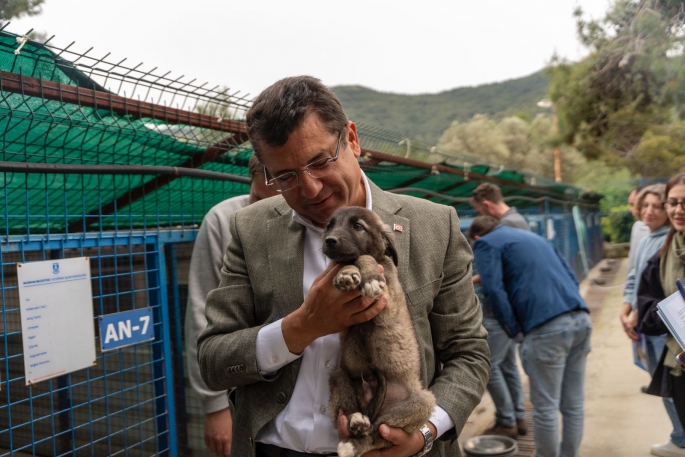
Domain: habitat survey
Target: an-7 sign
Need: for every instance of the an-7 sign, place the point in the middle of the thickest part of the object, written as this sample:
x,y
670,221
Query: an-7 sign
x,y
125,329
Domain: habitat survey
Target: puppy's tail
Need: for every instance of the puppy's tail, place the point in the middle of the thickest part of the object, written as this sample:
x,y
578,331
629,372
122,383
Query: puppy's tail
x,y
373,408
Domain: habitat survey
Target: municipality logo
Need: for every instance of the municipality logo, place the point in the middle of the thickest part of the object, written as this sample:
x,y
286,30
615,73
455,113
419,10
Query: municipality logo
x,y
55,268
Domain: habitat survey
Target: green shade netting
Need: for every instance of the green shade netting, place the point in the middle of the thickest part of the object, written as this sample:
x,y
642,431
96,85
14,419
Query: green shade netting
x,y
36,130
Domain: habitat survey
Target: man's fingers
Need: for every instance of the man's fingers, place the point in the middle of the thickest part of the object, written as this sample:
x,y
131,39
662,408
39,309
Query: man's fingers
x,y
329,273
342,425
211,444
371,311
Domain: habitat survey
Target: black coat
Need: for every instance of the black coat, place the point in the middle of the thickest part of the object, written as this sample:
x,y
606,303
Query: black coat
x,y
649,294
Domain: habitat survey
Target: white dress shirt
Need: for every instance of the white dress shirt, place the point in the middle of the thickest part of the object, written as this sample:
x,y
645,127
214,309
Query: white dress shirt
x,y
305,424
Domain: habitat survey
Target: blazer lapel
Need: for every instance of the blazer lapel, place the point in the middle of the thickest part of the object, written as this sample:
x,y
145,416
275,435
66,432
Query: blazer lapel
x,y
286,261
388,207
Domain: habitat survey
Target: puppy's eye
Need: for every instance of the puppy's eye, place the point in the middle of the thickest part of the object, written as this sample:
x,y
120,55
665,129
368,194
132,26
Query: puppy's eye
x,y
357,226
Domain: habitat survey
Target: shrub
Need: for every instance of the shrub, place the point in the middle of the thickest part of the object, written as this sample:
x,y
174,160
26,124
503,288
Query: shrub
x,y
617,224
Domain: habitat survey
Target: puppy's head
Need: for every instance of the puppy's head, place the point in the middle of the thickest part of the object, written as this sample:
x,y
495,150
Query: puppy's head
x,y
353,231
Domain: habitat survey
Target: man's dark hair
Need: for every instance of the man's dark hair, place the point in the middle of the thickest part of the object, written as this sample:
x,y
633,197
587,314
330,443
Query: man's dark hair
x,y
282,108
486,191
481,226
255,167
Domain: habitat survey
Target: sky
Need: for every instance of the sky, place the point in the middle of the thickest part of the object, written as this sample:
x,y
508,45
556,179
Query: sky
x,y
400,46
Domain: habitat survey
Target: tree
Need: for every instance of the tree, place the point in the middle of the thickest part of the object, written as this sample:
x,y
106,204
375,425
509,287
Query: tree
x,y
512,142
629,89
10,9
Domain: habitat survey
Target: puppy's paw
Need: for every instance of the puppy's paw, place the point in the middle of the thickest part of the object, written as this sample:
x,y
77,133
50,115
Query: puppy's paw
x,y
372,288
360,425
348,279
346,449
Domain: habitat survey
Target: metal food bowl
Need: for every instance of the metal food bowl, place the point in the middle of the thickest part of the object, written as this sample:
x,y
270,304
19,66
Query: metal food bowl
x,y
491,446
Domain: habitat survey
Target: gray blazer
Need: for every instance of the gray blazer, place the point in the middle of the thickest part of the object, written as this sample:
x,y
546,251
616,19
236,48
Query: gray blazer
x,y
261,282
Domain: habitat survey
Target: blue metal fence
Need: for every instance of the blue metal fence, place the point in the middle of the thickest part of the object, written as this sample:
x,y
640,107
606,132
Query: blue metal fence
x,y
134,401
580,240
125,404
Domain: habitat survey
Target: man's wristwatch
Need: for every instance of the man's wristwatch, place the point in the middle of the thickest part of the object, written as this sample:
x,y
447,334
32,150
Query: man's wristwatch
x,y
428,441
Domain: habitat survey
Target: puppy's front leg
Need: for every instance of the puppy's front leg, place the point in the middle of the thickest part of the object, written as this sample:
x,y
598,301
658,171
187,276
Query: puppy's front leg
x,y
372,282
348,278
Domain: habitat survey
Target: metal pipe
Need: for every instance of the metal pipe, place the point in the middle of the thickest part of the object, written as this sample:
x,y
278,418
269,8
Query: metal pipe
x,y
54,168
433,167
407,190
65,93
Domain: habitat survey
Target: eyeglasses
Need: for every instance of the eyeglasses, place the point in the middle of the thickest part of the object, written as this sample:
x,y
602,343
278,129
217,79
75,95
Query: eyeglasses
x,y
671,205
316,169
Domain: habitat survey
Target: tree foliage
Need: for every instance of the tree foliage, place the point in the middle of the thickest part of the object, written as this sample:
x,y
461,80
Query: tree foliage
x,y
10,9
625,103
513,142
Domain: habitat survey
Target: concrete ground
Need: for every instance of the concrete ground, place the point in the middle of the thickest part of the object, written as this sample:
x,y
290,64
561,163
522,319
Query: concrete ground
x,y
620,421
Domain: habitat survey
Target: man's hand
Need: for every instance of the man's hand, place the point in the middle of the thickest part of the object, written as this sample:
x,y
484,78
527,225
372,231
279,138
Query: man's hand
x,y
327,310
218,430
628,319
405,445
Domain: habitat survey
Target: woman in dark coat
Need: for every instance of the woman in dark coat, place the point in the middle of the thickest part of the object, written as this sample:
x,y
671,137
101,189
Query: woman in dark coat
x,y
658,281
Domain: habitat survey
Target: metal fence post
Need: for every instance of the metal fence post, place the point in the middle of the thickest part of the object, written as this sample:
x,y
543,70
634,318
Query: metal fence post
x,y
165,410
177,331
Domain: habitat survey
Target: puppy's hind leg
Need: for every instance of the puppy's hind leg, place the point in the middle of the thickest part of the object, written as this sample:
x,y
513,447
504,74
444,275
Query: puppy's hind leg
x,y
354,447
409,414
344,397
343,394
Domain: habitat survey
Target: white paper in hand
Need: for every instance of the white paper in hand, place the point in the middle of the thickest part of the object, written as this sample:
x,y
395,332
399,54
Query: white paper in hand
x,y
672,312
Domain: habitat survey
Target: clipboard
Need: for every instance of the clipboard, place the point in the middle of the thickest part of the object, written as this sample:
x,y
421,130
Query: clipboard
x,y
671,310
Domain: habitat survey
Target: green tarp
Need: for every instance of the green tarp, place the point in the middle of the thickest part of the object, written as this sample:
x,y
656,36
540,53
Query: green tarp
x,y
36,130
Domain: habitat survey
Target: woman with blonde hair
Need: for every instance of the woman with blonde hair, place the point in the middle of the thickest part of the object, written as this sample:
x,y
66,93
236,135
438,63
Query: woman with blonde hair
x,y
649,209
658,280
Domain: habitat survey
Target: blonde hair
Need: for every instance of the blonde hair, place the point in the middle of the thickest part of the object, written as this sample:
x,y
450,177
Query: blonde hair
x,y
658,190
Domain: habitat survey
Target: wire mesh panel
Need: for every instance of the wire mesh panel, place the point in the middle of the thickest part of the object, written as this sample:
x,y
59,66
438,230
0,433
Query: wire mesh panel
x,y
120,406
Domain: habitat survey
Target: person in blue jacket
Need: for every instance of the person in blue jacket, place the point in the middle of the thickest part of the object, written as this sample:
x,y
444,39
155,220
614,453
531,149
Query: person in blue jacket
x,y
533,293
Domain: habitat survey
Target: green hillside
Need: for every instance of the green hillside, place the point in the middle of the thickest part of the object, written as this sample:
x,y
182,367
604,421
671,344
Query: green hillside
x,y
426,116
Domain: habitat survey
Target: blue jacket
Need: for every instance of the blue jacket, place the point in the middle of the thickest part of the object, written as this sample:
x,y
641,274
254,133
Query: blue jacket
x,y
526,281
646,248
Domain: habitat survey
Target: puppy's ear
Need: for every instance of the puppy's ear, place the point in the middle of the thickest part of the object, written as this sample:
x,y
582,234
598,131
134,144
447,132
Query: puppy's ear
x,y
389,240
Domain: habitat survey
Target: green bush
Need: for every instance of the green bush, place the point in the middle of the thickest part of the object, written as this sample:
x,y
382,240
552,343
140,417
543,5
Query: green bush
x,y
617,224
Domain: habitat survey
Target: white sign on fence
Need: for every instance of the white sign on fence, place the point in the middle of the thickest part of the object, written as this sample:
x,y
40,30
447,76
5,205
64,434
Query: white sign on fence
x,y
56,304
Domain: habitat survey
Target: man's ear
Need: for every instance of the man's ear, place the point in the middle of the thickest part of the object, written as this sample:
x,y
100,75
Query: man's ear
x,y
488,206
389,240
353,139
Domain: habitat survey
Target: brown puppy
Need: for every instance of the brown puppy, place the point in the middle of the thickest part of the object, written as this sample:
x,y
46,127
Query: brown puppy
x,y
378,378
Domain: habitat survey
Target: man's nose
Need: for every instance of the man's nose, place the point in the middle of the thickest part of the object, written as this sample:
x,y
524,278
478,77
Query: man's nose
x,y
309,186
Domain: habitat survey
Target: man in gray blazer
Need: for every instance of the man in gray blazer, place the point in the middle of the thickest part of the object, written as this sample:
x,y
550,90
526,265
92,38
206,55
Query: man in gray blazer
x,y
273,323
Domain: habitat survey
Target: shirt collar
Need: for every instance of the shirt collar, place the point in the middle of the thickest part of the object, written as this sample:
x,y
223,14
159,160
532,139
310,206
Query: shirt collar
x,y
307,223
511,210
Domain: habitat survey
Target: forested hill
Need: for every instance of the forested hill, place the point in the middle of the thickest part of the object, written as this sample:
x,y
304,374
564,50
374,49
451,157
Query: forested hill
x,y
426,116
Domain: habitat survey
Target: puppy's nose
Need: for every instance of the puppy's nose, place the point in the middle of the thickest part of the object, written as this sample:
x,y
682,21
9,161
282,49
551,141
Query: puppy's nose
x,y
331,241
